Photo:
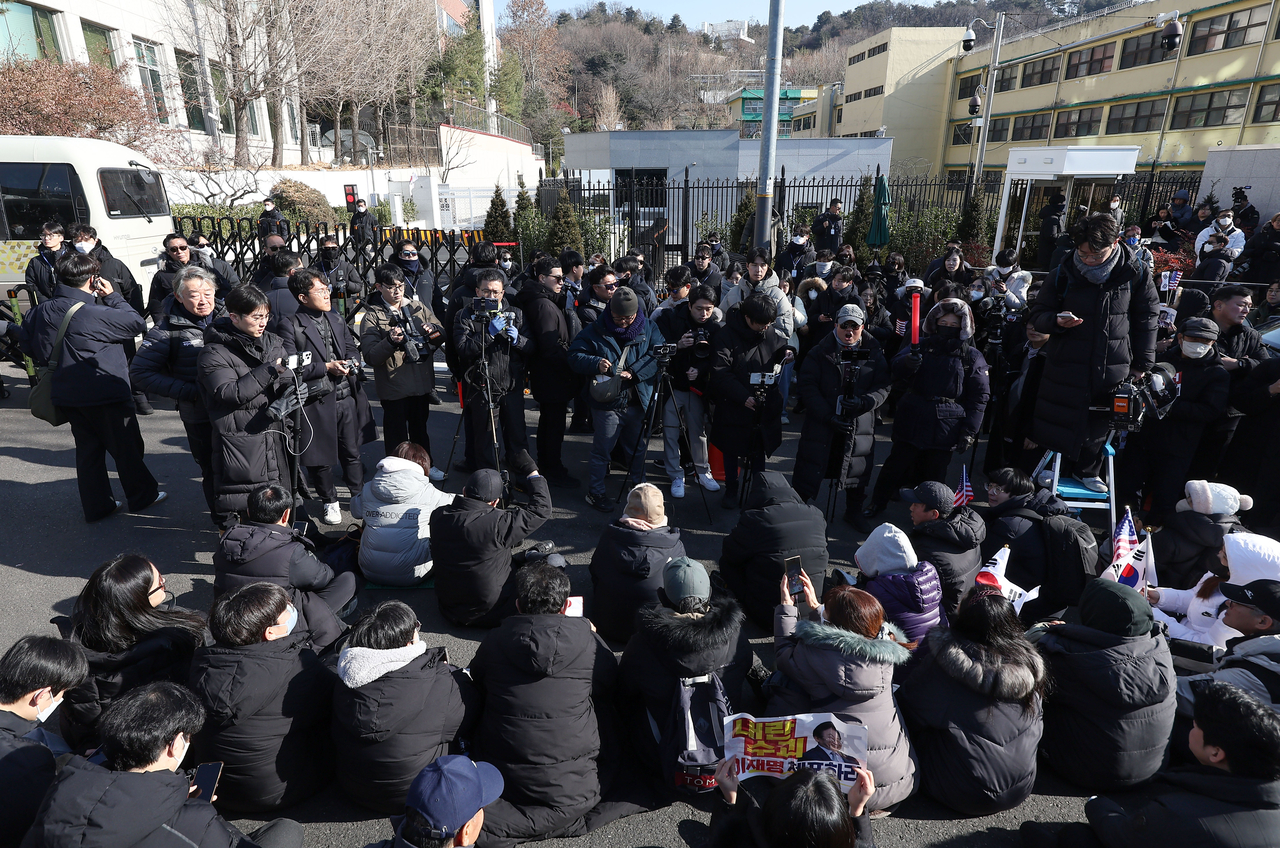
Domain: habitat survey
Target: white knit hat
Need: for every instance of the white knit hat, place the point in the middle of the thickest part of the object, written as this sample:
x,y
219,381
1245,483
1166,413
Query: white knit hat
x,y
1213,499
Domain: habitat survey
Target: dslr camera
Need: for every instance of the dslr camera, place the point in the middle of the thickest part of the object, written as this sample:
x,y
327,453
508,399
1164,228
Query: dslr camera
x,y
701,343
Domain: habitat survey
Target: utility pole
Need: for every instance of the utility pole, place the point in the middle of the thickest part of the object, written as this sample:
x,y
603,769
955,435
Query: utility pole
x,y
769,129
986,105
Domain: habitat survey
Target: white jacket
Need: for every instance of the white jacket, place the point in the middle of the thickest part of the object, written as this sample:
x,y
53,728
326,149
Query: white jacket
x,y
1250,557
1235,239
396,506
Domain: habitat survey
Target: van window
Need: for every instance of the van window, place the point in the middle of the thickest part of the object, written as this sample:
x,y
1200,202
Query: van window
x,y
35,192
132,193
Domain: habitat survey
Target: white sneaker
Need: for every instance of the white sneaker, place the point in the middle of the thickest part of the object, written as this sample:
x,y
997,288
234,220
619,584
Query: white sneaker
x,y
435,474
1095,484
677,487
706,481
332,514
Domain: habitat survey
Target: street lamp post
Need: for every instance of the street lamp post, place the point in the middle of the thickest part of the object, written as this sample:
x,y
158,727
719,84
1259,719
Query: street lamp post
x,y
967,43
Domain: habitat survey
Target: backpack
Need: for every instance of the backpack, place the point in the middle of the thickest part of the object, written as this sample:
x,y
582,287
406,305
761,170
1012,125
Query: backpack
x,y
691,738
1072,557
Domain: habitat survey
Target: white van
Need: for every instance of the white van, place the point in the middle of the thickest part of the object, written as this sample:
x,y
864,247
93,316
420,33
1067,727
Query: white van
x,y
79,180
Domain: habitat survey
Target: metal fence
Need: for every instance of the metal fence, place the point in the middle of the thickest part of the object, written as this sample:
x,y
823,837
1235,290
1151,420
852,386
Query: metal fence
x,y
413,146
473,118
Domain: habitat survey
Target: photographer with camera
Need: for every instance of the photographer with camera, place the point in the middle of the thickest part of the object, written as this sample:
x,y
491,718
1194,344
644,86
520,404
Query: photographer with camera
x,y
399,337
842,382
491,350
1262,253
747,359
694,326
338,274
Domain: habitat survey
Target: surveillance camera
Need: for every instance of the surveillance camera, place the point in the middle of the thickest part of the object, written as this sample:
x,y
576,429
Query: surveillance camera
x,y
975,105
1171,36
968,40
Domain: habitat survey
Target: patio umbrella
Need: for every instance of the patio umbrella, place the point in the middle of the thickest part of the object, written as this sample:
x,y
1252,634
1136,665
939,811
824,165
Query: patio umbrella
x,y
878,235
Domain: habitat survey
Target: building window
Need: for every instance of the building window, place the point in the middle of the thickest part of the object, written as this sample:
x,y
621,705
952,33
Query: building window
x,y
1268,108
957,180
850,98
1216,109
226,114
961,133
1144,116
1031,127
853,60
1225,31
1076,123
1090,61
97,42
874,92
998,130
1142,50
869,134
878,49
1007,79
189,78
149,72
839,114
27,33
968,87
1041,72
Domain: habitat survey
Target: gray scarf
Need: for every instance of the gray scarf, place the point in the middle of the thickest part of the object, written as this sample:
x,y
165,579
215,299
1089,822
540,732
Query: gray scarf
x,y
1097,274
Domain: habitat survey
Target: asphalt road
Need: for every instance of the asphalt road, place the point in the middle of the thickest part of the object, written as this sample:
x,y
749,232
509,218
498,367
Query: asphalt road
x,y
48,552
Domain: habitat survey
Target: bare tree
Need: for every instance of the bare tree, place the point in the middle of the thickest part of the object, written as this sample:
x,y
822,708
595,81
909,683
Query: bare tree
x,y
608,109
455,151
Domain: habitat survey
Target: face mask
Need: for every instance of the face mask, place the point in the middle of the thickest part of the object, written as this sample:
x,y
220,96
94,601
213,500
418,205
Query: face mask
x,y
360,209
85,246
1208,248
1194,350
42,715
977,295
948,333
329,253
824,267
292,621
1132,241
1004,272
799,240
267,207
506,266
1115,204
206,251
813,294
1224,223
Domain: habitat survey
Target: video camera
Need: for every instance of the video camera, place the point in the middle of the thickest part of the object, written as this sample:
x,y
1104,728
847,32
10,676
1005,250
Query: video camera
x,y
417,338
1151,394
663,353
486,307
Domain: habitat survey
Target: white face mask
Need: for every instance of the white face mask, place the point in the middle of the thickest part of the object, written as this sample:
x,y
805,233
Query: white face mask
x,y
86,246
44,714
1115,204
506,266
292,621
267,207
977,295
798,240
207,250
1208,248
824,267
1195,350
813,294
1004,272
361,208
1224,223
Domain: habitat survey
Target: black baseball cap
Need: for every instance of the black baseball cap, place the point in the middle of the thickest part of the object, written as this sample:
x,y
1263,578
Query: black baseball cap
x,y
1263,594
933,495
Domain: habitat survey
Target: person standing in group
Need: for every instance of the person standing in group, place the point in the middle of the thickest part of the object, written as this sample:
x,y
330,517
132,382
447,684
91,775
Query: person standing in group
x,y
91,382
339,275
760,279
40,274
364,226
178,255
693,327
271,222
828,228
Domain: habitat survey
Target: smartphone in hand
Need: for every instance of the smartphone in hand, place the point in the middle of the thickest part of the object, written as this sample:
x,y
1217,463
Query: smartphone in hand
x,y
795,586
206,780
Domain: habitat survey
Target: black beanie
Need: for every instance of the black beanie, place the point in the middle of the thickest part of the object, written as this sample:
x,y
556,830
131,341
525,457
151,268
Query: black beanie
x,y
1115,608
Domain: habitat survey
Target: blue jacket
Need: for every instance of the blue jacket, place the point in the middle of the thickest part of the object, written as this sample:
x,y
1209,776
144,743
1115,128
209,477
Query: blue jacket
x,y
596,342
92,370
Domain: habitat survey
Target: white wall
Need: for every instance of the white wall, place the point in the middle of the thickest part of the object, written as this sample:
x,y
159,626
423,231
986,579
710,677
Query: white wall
x,y
482,160
1256,165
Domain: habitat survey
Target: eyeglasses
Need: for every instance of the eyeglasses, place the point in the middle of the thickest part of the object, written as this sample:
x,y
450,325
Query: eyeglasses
x,y
1251,607
159,588
178,248
398,287
992,488
408,254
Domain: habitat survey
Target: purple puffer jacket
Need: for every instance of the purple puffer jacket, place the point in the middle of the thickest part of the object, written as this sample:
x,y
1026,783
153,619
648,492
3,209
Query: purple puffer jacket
x,y
911,599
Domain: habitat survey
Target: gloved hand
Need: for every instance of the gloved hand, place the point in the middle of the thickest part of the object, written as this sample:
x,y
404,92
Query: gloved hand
x,y
288,403
841,425
512,333
496,325
964,443
912,363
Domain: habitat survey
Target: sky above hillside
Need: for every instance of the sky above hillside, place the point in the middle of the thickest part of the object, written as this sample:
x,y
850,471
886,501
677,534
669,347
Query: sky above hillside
x,y
794,12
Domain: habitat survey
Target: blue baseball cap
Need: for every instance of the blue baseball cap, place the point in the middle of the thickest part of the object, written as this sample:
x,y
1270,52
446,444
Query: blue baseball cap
x,y
449,792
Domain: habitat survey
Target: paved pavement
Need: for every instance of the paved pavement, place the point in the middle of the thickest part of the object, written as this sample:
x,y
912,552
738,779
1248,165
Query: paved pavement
x,y
48,552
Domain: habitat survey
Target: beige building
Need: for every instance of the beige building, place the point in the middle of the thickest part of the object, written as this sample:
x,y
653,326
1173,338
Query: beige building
x,y
1105,80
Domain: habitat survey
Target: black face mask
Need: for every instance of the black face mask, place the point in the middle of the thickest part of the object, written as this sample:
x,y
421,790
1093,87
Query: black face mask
x,y
329,254
948,333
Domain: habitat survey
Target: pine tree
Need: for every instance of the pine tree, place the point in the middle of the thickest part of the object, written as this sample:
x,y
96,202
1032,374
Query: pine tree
x,y
563,232
497,221
971,224
857,221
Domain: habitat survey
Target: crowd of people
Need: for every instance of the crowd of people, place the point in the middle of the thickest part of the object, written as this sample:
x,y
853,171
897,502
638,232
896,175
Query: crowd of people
x,y
289,683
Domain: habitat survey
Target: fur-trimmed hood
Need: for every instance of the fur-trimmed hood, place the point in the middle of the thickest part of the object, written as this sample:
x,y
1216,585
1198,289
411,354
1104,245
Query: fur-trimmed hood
x,y
672,633
812,284
853,645
1009,677
950,306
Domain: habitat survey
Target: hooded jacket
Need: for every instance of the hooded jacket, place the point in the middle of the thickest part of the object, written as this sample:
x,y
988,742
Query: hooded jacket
x,y
834,670
1182,215
1235,240
1250,557
1028,560
167,360
736,354
626,574
1187,545
27,770
962,706
909,590
92,807
267,721
946,396
1213,268
775,524
396,506
162,282
394,712
784,324
952,545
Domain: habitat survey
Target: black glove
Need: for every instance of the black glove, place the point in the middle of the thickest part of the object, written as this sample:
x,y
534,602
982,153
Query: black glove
x,y
841,425
912,363
964,443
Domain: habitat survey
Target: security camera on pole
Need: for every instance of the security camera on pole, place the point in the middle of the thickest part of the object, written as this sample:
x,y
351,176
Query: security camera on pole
x,y
977,102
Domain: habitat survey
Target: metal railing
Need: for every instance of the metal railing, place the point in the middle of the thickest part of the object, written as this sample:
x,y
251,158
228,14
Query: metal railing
x,y
471,117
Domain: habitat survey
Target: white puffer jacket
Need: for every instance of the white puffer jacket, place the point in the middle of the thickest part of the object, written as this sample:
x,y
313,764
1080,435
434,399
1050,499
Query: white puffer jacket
x,y
396,506
1250,557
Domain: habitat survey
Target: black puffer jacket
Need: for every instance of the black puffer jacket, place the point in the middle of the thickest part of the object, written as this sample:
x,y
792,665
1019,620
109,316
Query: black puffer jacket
x,y
27,769
952,544
1085,363
774,525
1024,536
1263,254
1187,546
667,646
267,721
505,357
737,353
40,273
547,354
272,553
92,807
238,379
167,360
1252,463
120,276
1213,269
945,398
961,703
820,383
539,675
339,274
394,712
1245,344
162,282
626,573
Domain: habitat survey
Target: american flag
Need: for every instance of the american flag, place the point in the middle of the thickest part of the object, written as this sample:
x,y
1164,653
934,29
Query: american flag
x,y
1171,282
901,327
964,494
1123,545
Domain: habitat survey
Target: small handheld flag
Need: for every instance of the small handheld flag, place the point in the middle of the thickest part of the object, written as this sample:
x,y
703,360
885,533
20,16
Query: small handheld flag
x,y
900,327
1123,546
964,494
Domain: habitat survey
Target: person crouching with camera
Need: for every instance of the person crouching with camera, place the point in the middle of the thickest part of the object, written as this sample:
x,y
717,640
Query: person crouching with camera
x,y
747,359
398,337
491,352
842,382
693,326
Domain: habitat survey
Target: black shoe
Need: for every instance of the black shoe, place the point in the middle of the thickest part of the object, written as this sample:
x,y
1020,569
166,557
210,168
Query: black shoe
x,y
562,479
730,497
433,399
857,519
873,511
462,468
539,550
603,503
142,406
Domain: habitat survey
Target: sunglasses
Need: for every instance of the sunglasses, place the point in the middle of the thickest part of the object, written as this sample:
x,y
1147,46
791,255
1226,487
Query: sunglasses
x,y
408,254
608,285
850,325
559,278
174,248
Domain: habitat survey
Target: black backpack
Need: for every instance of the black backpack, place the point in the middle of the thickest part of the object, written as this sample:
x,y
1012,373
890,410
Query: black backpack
x,y
691,737
1071,554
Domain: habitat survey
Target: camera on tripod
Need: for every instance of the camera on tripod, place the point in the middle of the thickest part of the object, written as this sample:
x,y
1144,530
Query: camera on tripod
x,y
483,306
663,353
1151,394
856,354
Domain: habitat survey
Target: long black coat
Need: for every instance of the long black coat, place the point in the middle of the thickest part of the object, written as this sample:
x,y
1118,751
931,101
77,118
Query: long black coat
x,y
238,380
27,769
387,729
819,384
775,524
952,545
1252,463
1109,713
1085,363
736,354
167,362
626,573
1028,561
266,720
1187,546
547,354
945,398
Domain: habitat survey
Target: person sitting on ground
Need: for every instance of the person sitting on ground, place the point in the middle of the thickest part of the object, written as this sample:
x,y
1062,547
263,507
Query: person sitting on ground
x,y
908,588
472,540
626,567
1227,799
1108,716
396,505
807,808
131,635
140,800
947,536
693,631
445,805
775,524
1214,264
400,707
35,673
1187,545
266,547
266,697
971,700
544,678
844,663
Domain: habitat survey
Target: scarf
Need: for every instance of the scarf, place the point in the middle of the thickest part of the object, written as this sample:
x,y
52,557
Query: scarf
x,y
1096,274
625,335
410,266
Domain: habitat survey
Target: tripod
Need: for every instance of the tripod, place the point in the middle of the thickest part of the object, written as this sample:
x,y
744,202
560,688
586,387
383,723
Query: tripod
x,y
755,444
851,368
646,431
479,374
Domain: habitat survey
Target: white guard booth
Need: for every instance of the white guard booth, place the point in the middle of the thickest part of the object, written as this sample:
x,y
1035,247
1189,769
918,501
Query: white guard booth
x,y
1053,164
